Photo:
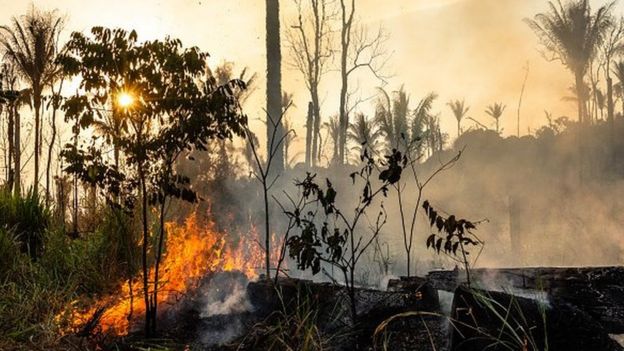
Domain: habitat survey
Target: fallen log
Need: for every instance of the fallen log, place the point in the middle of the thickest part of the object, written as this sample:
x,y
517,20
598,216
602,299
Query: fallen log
x,y
598,291
332,303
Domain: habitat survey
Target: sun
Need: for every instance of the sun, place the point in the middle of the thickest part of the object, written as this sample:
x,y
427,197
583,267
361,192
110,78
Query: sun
x,y
125,100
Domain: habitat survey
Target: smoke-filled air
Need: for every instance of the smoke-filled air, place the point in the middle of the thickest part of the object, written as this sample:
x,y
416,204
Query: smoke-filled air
x,y
303,175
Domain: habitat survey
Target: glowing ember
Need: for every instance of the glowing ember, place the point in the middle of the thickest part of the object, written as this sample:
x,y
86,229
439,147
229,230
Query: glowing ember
x,y
193,251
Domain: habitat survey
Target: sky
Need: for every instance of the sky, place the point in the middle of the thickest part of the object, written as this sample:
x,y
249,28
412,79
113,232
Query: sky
x,y
461,49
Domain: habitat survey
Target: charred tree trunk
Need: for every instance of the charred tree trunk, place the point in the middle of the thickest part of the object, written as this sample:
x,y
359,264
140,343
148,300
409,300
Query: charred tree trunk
x,y
274,85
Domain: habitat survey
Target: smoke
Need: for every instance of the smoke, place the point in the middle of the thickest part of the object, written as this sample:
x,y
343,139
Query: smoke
x,y
223,307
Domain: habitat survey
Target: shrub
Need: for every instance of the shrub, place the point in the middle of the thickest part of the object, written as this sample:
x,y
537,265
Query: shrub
x,y
27,218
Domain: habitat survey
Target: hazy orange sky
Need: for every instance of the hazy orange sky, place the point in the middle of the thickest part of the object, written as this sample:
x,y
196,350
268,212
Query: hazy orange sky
x,y
472,49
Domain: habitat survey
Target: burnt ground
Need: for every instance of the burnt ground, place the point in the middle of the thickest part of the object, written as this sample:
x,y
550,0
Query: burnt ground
x,y
228,311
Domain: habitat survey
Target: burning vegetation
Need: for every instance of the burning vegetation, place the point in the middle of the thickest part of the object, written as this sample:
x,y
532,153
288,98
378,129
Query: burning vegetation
x,y
168,222
194,251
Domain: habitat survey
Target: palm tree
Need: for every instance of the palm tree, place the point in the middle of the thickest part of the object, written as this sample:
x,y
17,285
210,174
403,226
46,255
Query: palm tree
x,y
364,133
618,71
30,44
421,125
460,110
573,34
496,111
391,116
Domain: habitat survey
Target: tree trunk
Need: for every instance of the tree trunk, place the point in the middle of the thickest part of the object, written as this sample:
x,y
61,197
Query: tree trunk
x,y
316,112
611,120
146,295
37,103
580,95
274,85
18,152
11,156
342,122
309,123
52,140
345,41
161,239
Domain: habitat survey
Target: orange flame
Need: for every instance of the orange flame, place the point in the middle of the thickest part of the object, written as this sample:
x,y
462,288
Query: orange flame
x,y
192,252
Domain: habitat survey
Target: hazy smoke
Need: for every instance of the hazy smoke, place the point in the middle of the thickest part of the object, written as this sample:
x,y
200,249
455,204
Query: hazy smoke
x,y
223,303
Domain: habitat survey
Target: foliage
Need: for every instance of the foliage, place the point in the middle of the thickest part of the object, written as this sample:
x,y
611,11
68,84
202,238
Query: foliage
x,y
364,133
26,218
459,109
325,233
172,112
496,111
453,234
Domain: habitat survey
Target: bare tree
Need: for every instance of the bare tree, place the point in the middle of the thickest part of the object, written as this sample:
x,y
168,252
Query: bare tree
x,y
309,40
263,171
359,49
524,81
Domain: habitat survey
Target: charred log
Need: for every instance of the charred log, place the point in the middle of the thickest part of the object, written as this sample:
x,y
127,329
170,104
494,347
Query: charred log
x,y
598,291
499,321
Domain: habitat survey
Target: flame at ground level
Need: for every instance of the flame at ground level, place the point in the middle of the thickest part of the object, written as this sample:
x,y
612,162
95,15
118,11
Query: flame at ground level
x,y
193,251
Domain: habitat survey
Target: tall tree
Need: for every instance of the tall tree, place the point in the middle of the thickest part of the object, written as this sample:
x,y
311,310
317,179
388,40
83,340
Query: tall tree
x,y
618,71
613,45
157,88
459,109
13,100
358,50
274,89
496,111
392,116
30,43
310,44
572,34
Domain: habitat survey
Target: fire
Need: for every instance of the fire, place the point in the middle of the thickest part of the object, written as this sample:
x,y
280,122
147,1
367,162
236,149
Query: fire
x,y
193,251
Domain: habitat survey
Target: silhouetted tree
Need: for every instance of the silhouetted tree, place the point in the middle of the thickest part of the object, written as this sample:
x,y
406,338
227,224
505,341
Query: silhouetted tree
x,y
327,233
30,44
309,39
459,110
363,132
618,70
572,34
496,111
613,45
358,50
